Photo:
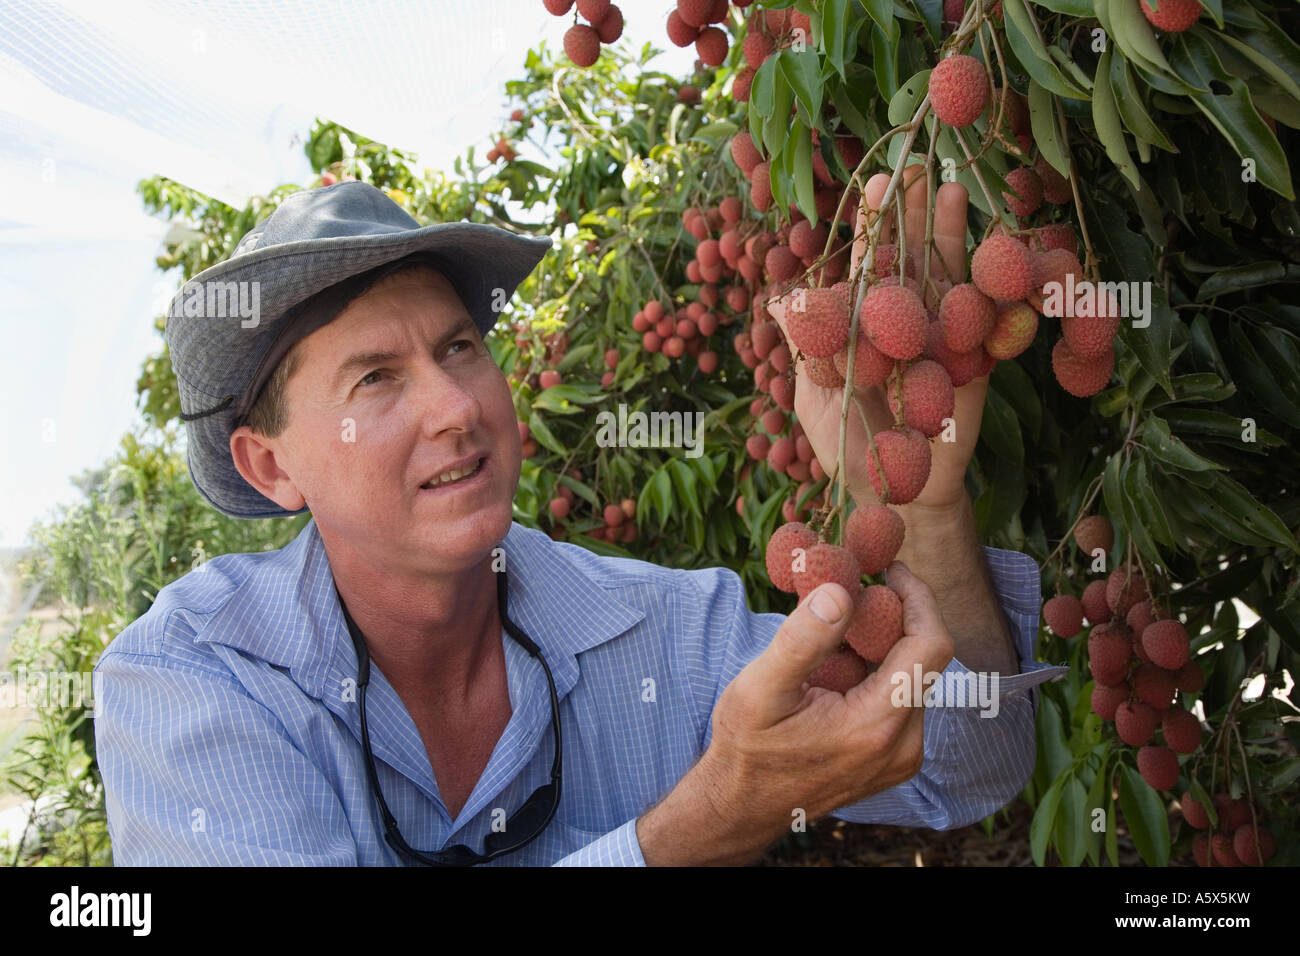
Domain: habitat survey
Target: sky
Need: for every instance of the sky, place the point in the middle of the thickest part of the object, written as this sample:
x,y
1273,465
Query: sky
x,y
216,94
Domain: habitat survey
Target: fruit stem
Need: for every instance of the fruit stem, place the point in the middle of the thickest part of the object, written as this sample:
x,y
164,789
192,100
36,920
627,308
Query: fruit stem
x,y
1089,257
979,177
855,178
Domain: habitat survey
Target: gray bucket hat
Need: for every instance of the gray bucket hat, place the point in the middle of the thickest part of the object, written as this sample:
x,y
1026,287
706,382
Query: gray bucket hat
x,y
315,239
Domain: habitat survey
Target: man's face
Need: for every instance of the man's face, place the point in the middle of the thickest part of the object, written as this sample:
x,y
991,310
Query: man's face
x,y
402,437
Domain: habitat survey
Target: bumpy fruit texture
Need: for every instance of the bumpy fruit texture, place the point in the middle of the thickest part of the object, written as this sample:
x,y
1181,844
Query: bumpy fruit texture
x,y
1141,616
1158,766
1095,608
1003,268
827,563
1093,532
582,44
1091,335
1064,615
962,367
1136,722
821,327
895,320
967,316
840,672
1172,16
1051,271
781,557
1027,191
926,394
1014,330
745,153
1190,679
1154,686
870,365
1254,846
1056,188
1125,587
1182,730
1194,813
609,27
877,623
959,90
1080,376
904,459
1106,700
1166,643
874,533
1222,849
711,45
1108,655
823,372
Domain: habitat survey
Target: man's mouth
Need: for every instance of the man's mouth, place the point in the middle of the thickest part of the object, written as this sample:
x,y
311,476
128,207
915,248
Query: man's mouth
x,y
455,475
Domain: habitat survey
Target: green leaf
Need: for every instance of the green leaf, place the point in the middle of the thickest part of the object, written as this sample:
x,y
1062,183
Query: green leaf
x,y
1112,838
1098,798
1146,503
1043,824
762,99
1145,813
884,58
1243,507
1170,449
1251,370
1105,116
1112,488
1262,59
1072,829
1133,35
1236,278
904,103
1042,120
803,71
776,125
1073,8
1032,54
1151,343
1014,384
1233,114
802,172
1053,748
660,486
840,32
684,479
581,489
1138,523
537,427
1131,108
1001,429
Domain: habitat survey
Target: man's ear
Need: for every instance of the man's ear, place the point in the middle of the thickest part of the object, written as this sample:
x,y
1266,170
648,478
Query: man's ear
x,y
254,458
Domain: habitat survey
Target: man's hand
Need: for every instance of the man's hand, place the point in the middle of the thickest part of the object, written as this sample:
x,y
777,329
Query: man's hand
x,y
780,746
818,408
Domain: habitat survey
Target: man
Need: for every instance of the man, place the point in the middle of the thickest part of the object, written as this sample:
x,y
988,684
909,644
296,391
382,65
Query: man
x,y
628,713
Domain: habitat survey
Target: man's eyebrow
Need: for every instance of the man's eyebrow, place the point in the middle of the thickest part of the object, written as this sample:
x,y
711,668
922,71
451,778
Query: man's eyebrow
x,y
359,360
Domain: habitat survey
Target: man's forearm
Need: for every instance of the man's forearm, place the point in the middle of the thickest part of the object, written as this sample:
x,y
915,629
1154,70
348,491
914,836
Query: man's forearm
x,y
942,549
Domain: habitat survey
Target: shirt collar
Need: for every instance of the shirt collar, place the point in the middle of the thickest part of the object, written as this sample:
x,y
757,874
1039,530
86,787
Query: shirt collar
x,y
287,611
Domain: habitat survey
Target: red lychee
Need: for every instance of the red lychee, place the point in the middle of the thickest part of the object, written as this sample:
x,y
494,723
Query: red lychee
x,y
1136,722
1108,655
781,557
1172,16
1125,587
1158,766
1026,191
1106,700
1064,615
827,563
1056,188
874,533
840,672
870,365
1253,846
609,27
1166,643
1080,376
760,189
817,320
877,623
895,320
1093,532
1154,686
823,372
582,44
1017,322
560,508
1003,268
1190,678
680,32
967,316
904,461
1182,730
711,45
927,396
959,90
1095,607
1194,813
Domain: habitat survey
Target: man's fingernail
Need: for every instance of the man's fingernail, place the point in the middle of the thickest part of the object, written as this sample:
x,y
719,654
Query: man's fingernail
x,y
824,607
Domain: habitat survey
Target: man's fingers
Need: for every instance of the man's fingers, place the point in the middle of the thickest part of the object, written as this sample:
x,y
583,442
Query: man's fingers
x,y
773,681
950,202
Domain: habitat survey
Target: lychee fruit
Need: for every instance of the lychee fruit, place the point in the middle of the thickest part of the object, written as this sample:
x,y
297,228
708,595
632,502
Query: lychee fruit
x,y
559,508
1106,700
781,454
823,372
1136,722
1182,730
557,8
1093,532
780,556
1003,268
962,367
1201,849
1051,271
1172,16
680,32
549,378
817,321
760,188
904,461
1108,655
1056,235
876,624
1221,846
711,45
1166,643
609,27
1080,376
926,394
1154,686
1158,766
1017,322
895,320
827,562
1125,587
1064,615
840,672
1056,188
1193,812
1253,846
967,316
870,365
1092,335
1095,608
758,446
1190,679
874,533
1233,813
582,44
1027,191
959,90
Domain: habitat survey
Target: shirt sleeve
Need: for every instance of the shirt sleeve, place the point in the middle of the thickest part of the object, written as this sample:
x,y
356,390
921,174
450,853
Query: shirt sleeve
x,y
198,773
617,848
977,758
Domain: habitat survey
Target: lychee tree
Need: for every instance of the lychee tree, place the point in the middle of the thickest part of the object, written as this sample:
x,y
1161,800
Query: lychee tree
x,y
770,221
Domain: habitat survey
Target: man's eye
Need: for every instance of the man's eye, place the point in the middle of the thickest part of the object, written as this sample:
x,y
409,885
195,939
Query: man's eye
x,y
367,379
464,345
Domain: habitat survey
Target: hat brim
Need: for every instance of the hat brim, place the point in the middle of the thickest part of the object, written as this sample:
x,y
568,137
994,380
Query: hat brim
x,y
489,263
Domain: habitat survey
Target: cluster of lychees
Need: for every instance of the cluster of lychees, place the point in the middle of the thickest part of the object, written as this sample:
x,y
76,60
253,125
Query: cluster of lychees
x,y
799,562
582,40
619,517
1239,839
685,331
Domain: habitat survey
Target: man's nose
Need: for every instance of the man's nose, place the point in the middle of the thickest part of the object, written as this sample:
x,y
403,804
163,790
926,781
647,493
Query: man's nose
x,y
445,401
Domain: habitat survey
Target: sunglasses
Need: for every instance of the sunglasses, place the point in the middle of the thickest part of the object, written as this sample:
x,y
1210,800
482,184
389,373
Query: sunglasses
x,y
528,821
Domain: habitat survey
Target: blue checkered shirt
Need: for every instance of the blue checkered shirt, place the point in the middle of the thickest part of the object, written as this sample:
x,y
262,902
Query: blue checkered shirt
x,y
227,729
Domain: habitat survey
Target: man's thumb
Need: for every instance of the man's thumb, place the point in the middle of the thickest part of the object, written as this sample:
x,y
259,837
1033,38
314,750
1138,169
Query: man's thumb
x,y
808,637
